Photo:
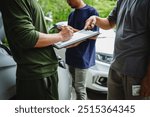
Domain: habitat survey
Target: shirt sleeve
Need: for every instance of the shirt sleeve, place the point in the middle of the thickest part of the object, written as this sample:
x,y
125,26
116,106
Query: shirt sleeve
x,y
22,30
112,17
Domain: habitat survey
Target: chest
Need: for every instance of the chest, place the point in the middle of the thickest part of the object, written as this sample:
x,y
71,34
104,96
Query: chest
x,y
133,13
78,18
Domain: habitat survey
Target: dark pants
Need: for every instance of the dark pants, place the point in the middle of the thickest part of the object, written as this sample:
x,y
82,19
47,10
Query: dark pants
x,y
122,87
39,89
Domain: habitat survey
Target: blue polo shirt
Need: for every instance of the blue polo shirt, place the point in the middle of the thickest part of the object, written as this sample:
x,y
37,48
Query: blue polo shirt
x,y
83,55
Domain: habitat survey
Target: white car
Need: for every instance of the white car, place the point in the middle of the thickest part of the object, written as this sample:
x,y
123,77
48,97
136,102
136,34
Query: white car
x,y
98,74
7,69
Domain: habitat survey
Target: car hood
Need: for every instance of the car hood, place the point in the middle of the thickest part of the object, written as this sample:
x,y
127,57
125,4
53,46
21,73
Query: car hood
x,y
105,41
6,61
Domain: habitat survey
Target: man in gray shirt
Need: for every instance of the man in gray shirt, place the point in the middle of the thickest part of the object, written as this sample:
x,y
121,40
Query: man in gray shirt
x,y
132,46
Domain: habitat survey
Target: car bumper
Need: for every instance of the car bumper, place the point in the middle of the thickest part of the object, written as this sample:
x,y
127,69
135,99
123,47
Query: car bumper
x,y
98,76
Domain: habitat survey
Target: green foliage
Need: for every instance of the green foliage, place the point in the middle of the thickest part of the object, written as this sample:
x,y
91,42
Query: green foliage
x,y
104,7
60,9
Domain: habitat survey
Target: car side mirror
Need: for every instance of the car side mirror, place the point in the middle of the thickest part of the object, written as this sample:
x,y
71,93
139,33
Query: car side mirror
x,y
61,62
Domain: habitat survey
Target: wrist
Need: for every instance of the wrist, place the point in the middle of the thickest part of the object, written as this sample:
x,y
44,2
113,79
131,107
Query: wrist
x,y
60,37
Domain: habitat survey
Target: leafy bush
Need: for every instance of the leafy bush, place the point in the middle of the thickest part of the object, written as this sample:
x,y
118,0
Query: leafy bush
x,y
104,6
60,9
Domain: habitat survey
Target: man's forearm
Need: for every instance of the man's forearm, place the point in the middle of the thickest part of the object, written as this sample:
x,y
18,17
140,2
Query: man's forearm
x,y
47,39
104,23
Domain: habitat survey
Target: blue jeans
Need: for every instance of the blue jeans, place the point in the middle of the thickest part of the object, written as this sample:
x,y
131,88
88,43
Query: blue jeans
x,y
79,82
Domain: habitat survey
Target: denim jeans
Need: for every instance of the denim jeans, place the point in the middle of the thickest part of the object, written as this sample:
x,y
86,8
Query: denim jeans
x,y
79,82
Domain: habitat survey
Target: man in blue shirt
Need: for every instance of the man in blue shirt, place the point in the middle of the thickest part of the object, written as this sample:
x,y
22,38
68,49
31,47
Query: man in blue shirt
x,y
81,57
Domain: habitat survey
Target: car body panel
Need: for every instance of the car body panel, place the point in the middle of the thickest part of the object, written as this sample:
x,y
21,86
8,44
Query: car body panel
x,y
98,74
7,75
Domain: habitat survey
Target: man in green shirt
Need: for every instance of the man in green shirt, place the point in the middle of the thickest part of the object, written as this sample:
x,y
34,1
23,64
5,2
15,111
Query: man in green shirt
x,y
32,49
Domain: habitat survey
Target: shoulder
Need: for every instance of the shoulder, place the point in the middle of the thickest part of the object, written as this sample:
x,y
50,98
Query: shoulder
x,y
92,10
72,12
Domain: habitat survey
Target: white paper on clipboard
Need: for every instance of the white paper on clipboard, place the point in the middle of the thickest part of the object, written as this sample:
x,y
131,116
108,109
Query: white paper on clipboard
x,y
77,37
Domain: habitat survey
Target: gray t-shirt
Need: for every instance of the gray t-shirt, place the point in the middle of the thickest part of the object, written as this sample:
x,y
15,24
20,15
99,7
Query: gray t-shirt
x,y
132,42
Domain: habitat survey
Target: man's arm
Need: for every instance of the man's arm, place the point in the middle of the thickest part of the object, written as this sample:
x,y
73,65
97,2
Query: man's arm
x,y
103,23
49,39
23,31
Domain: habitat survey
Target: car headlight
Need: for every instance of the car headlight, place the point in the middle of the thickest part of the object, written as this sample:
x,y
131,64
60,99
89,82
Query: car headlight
x,y
103,57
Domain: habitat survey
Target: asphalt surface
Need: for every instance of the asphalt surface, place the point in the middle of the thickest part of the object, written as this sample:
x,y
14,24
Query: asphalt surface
x,y
91,95
96,95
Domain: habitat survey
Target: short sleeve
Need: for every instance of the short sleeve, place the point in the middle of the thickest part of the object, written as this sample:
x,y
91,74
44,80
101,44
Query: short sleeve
x,y
114,13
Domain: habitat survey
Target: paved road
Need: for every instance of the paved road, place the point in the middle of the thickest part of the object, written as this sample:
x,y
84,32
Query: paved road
x,y
96,95
91,95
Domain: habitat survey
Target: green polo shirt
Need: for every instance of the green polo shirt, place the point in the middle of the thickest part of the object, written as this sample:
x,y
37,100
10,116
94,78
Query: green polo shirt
x,y
23,20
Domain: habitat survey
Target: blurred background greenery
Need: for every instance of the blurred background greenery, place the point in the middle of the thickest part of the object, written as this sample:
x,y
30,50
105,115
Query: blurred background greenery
x,y
59,9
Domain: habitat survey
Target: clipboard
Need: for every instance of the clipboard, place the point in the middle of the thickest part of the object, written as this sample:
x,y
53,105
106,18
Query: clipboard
x,y
77,37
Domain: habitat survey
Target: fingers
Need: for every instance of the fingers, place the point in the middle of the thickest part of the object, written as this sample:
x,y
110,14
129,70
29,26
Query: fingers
x,y
74,45
87,24
66,33
90,23
67,29
93,38
73,29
